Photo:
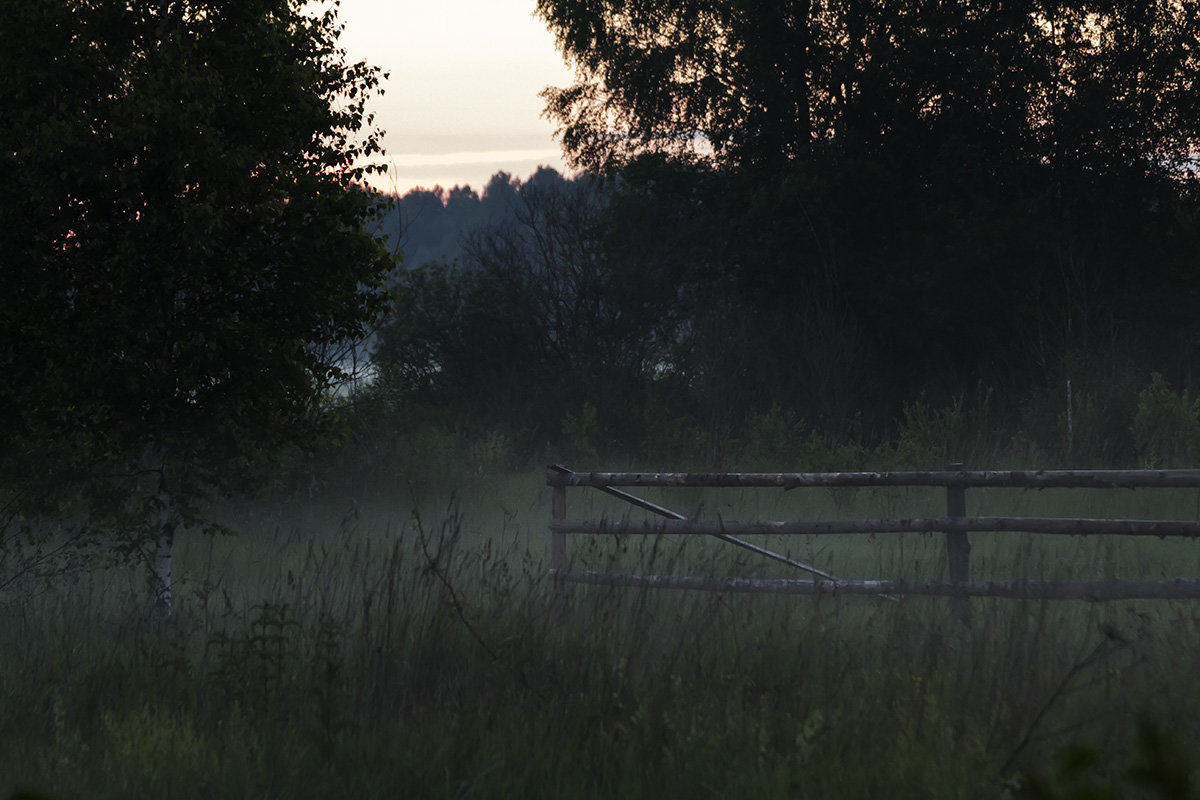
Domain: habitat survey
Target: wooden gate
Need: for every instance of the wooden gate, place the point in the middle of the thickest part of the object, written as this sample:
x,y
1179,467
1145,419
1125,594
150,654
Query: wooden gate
x,y
955,525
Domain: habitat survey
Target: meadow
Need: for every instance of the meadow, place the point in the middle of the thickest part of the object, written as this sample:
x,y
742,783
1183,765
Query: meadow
x,y
402,643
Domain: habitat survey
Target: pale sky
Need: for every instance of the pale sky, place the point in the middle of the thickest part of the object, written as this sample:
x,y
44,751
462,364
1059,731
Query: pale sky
x,y
462,100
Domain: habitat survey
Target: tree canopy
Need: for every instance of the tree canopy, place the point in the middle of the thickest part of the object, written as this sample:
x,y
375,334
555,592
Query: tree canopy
x,y
1107,86
930,194
181,246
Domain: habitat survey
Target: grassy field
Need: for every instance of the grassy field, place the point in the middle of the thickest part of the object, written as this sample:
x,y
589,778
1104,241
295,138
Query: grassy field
x,y
387,647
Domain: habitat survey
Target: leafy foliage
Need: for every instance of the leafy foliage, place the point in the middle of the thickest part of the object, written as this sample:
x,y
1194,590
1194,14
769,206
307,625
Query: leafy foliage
x,y
854,203
970,86
182,248
1160,768
1166,426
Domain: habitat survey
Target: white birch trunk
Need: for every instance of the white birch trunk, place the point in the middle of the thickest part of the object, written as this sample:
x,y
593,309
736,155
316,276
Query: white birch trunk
x,y
162,570
160,579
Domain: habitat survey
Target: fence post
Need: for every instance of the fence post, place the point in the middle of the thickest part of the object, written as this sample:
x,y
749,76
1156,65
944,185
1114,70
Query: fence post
x,y
558,544
958,547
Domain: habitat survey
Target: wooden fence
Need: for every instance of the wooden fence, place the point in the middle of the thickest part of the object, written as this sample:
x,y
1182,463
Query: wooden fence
x,y
955,525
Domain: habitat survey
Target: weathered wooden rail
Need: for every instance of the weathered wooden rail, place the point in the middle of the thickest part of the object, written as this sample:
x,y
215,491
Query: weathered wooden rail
x,y
955,525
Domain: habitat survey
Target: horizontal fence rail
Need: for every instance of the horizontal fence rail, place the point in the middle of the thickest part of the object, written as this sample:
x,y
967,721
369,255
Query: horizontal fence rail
x,y
1050,525
1095,591
955,525
966,479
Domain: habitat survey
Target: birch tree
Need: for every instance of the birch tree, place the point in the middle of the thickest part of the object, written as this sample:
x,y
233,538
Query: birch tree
x,y
181,239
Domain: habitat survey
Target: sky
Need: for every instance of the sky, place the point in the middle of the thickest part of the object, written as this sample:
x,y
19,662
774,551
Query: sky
x,y
461,102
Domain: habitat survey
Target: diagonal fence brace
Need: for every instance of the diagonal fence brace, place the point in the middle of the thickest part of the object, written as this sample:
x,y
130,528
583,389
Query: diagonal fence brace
x,y
654,508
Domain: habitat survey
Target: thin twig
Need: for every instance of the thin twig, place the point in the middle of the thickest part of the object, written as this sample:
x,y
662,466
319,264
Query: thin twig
x,y
1101,651
461,613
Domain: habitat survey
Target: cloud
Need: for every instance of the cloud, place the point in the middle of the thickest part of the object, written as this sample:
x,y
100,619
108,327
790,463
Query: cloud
x,y
417,162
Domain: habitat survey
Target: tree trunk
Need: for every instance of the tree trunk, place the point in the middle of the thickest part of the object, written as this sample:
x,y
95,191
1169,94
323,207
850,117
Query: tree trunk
x,y
160,578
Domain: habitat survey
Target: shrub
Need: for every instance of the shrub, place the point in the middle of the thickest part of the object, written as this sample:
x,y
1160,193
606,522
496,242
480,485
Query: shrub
x,y
1166,426
581,435
930,438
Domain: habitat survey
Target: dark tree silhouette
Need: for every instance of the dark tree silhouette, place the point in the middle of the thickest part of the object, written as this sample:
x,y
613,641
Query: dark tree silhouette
x,y
181,251
985,83
934,194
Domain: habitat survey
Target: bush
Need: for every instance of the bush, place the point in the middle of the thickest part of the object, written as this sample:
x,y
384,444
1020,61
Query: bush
x,y
581,436
930,438
1166,426
775,439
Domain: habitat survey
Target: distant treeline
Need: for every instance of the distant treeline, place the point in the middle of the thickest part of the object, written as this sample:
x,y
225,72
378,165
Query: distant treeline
x,y
428,225
674,292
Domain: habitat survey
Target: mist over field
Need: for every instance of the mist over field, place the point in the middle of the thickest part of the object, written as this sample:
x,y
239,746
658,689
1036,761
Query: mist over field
x,y
295,493
402,637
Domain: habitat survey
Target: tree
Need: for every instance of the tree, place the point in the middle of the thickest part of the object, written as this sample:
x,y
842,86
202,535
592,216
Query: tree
x,y
181,248
937,193
534,321
759,82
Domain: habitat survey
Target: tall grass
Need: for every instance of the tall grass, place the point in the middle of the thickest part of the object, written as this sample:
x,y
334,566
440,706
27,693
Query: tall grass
x,y
405,649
